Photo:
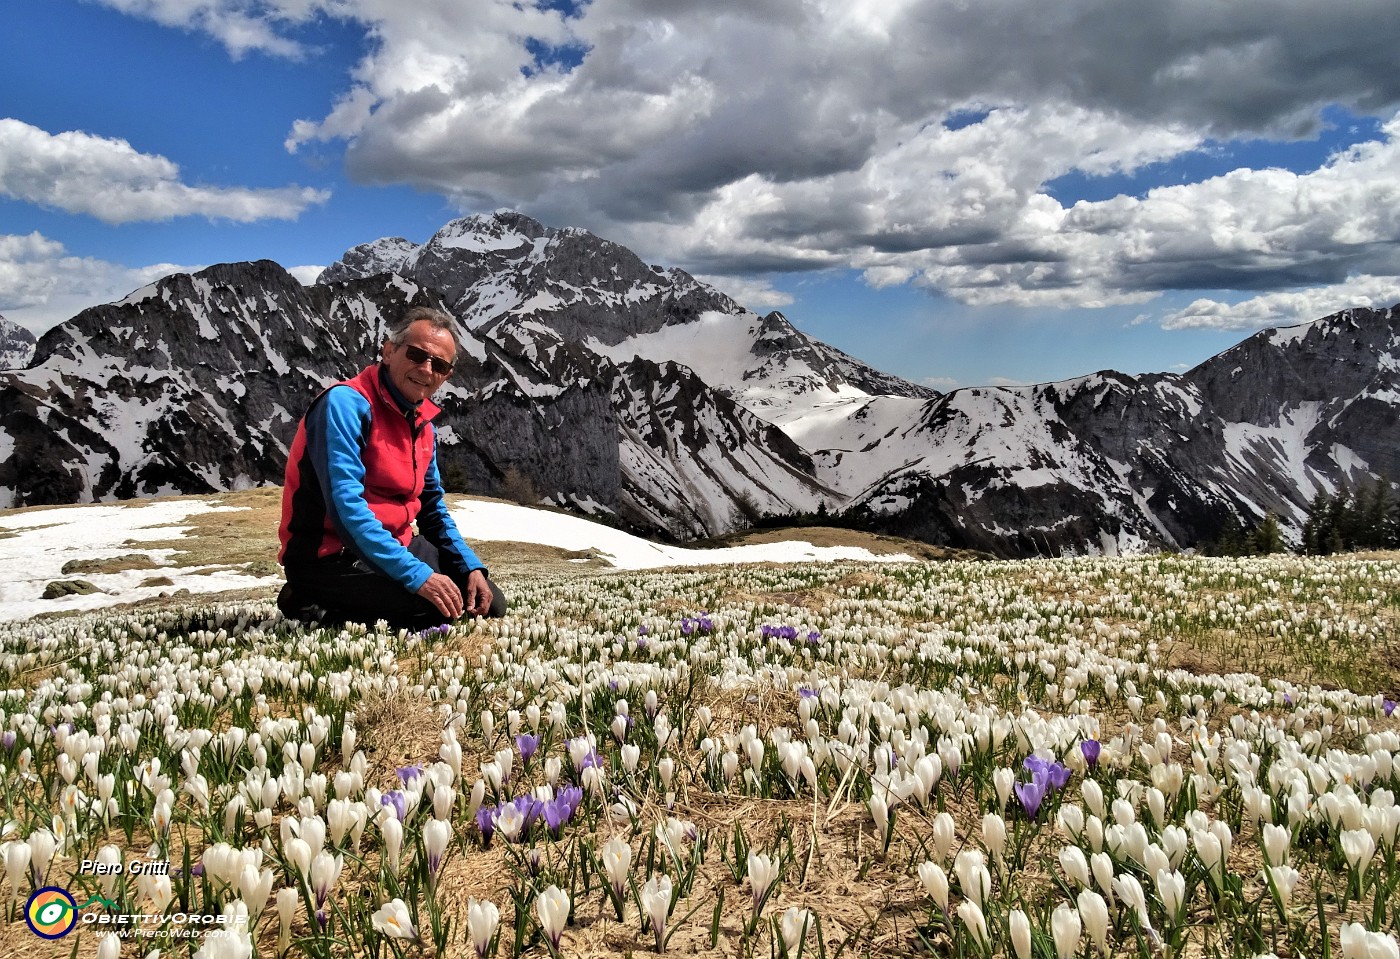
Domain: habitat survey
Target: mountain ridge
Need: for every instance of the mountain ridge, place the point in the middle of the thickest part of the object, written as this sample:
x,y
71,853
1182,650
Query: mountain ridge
x,y
639,394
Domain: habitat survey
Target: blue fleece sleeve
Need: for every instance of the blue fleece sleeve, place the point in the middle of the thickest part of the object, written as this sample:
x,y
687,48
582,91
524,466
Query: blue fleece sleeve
x,y
436,525
336,429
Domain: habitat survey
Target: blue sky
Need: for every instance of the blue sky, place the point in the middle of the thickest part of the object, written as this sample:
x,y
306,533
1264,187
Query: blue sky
x,y
956,193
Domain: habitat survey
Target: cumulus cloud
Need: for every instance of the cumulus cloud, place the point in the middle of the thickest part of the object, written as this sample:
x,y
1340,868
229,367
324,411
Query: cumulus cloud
x,y
917,140
41,285
1248,229
1287,307
754,293
110,180
306,275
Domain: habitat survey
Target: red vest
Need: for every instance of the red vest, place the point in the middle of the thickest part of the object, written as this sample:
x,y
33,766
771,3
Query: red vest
x,y
396,462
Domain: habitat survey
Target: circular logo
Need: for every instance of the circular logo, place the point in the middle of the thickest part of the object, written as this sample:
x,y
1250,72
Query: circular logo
x,y
51,912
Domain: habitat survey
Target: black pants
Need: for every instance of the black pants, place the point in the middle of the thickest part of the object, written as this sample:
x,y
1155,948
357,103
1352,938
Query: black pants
x,y
341,589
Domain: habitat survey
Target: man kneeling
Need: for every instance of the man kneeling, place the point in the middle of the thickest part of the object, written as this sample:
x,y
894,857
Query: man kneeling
x,y
362,469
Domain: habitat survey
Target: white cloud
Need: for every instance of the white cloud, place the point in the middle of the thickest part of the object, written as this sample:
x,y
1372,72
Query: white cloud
x,y
42,286
1288,307
242,26
306,275
1246,229
110,180
917,140
942,383
755,294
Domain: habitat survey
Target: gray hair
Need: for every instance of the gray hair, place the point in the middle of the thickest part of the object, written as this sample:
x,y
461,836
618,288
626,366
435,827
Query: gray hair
x,y
439,320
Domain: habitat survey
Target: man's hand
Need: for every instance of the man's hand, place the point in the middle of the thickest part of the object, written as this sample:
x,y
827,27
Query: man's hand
x,y
444,594
479,595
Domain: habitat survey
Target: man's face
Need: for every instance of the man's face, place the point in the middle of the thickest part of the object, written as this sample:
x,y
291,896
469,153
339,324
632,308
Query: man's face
x,y
418,381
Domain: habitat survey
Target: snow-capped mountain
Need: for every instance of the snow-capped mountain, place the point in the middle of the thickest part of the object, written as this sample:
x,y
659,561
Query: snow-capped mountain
x,y
16,345
637,392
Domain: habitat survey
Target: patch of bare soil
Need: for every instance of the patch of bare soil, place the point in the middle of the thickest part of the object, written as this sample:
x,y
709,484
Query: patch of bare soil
x,y
244,538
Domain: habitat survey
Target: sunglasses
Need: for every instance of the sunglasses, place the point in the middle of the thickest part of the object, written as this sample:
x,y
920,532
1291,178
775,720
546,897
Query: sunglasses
x,y
416,356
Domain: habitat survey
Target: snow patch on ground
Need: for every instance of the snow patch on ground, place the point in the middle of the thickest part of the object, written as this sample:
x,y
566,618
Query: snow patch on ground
x,y
34,546
482,521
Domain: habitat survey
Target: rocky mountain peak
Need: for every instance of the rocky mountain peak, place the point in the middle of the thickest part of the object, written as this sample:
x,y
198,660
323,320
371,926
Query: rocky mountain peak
x,y
385,255
16,345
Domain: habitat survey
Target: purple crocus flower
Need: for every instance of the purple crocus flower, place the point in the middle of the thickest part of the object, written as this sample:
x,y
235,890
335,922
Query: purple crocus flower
x,y
408,773
1031,795
321,918
804,693
8,738
1389,708
399,801
641,642
556,812
573,797
486,822
1052,774
527,743
642,630
814,637
529,807
1090,748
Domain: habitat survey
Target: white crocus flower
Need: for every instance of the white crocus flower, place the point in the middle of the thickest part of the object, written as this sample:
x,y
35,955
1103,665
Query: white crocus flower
x,y
617,859
1003,780
392,919
482,920
1283,879
1211,853
1020,926
1066,929
391,831
1131,893
1094,911
1171,889
109,946
1101,865
1276,841
935,882
974,881
656,904
552,910
254,886
762,872
942,833
971,915
1074,864
287,900
325,873
794,925
994,835
1359,848
1358,942
42,845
